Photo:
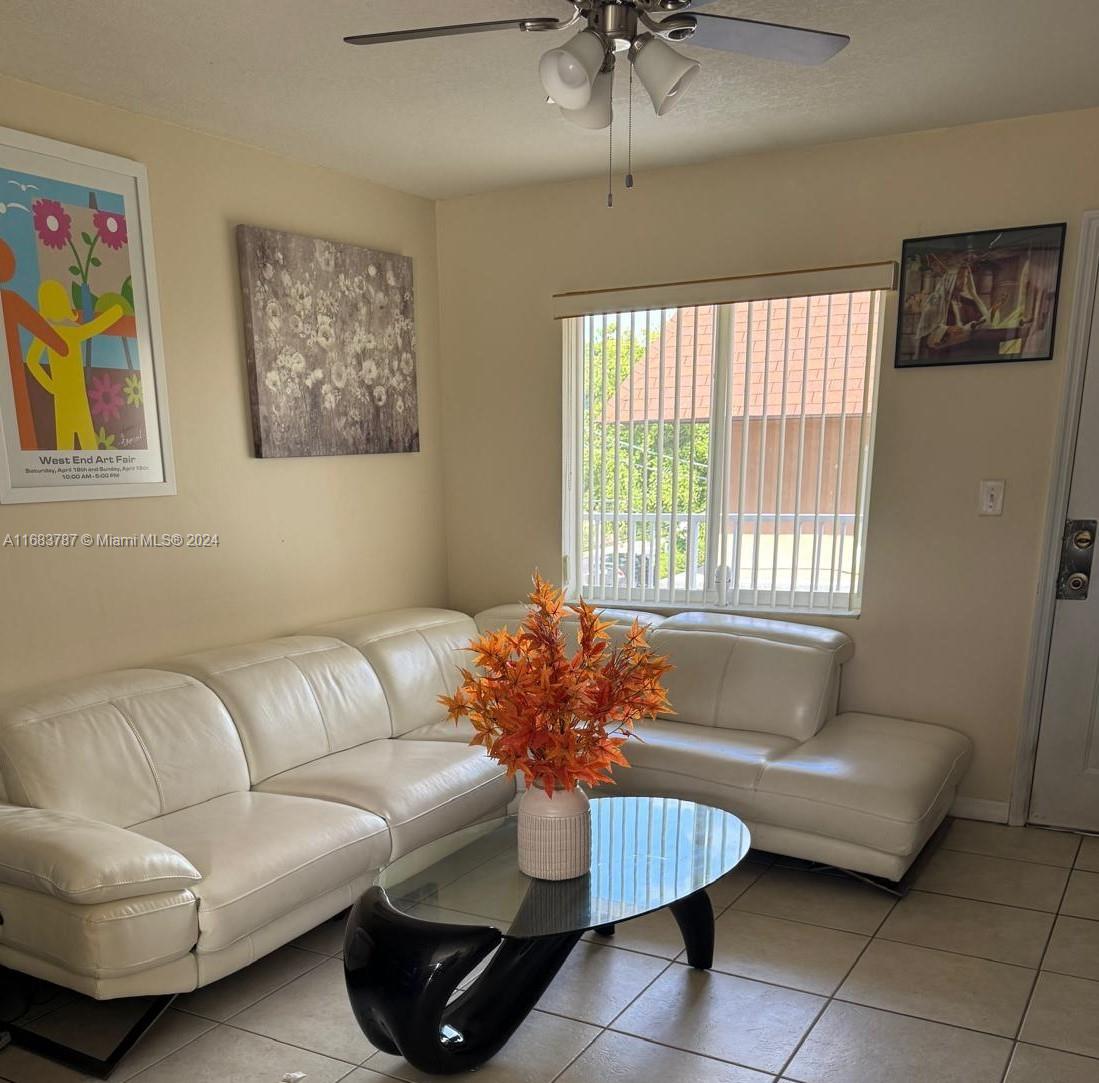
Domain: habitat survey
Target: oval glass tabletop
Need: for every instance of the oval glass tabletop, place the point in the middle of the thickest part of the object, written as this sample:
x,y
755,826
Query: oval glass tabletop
x,y
647,852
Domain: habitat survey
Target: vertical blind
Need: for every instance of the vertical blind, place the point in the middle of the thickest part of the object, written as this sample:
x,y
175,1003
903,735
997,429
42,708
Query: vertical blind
x,y
719,454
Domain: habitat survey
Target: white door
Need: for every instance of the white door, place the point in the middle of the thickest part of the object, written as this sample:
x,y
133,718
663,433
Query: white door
x,y
1066,775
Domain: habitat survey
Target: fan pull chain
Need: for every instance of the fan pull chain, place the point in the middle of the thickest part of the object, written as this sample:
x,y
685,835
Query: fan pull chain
x,y
610,165
629,137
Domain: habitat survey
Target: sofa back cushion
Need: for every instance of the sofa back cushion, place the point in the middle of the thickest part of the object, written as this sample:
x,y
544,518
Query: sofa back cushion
x,y
121,747
742,673
415,653
293,699
747,673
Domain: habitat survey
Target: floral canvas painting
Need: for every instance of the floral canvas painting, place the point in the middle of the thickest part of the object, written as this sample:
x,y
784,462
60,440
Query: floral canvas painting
x,y
331,346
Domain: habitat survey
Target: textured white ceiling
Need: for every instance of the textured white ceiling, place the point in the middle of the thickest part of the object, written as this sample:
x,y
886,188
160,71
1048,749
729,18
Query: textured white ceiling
x,y
442,118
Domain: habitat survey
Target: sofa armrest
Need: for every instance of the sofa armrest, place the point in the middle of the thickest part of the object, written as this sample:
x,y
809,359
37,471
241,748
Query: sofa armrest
x,y
85,861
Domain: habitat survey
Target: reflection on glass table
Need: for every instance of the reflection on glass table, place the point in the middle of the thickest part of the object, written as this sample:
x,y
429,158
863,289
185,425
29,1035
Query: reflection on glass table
x,y
647,852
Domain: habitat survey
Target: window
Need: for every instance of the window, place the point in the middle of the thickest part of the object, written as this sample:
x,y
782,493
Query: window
x,y
719,454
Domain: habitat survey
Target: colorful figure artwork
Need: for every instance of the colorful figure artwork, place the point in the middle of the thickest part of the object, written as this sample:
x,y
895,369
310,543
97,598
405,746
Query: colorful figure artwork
x,y
18,316
81,373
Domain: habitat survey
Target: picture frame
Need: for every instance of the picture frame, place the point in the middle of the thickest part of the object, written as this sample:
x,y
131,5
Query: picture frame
x,y
83,390
330,346
982,297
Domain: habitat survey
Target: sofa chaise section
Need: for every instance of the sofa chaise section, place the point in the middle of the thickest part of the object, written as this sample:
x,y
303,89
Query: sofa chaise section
x,y
756,731
866,792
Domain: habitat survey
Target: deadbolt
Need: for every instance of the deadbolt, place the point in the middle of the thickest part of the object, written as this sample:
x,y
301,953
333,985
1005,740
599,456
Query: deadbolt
x,y
1077,549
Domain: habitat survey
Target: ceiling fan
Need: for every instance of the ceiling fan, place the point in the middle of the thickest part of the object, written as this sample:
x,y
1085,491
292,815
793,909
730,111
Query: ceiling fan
x,y
578,76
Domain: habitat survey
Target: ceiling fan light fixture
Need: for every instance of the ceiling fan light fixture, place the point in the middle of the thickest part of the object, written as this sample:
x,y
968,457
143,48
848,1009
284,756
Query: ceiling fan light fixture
x,y
599,112
663,72
569,72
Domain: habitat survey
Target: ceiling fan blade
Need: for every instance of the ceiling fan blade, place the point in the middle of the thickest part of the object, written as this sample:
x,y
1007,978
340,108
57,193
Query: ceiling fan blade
x,y
437,32
772,41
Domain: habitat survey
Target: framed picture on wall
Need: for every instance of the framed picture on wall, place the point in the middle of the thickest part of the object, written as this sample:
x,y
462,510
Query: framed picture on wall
x,y
977,298
330,340
83,403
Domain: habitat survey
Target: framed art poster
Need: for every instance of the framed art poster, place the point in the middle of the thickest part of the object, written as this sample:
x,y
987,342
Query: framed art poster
x,y
975,298
83,402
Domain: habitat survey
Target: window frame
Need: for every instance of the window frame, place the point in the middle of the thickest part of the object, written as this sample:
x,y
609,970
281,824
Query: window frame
x,y
748,600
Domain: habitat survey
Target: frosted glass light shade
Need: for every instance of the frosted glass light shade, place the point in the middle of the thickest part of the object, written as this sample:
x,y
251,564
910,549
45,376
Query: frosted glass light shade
x,y
663,72
568,72
599,112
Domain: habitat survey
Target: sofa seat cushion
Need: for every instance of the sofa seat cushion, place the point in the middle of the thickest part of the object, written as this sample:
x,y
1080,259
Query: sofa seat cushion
x,y
422,789
710,753
866,779
262,855
708,764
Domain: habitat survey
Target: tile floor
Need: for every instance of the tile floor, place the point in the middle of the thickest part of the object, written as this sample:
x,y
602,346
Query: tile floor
x,y
988,972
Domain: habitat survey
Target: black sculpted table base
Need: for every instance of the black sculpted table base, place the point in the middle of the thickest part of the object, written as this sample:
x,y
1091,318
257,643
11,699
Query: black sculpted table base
x,y
694,915
426,925
402,971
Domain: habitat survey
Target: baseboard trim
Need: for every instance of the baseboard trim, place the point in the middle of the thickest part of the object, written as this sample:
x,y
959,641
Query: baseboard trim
x,y
975,808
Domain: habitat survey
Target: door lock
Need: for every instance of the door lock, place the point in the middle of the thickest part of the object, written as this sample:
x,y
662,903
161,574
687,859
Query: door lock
x,y
1077,548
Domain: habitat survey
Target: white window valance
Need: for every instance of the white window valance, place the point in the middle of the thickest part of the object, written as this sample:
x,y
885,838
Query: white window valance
x,y
813,282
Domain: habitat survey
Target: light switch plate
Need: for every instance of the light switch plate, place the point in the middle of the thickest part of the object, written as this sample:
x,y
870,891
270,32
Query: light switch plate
x,y
990,499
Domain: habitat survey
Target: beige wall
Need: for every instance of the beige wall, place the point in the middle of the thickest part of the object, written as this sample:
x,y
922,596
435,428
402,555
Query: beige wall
x,y
301,540
949,596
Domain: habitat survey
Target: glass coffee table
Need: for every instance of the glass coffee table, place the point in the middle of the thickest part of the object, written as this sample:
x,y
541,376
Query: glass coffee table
x,y
434,915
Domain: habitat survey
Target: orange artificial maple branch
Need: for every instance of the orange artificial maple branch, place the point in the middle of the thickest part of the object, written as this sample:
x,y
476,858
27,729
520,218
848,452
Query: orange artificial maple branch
x,y
559,720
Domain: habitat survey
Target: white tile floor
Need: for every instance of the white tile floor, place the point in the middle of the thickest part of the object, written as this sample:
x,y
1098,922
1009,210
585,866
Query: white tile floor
x,y
988,972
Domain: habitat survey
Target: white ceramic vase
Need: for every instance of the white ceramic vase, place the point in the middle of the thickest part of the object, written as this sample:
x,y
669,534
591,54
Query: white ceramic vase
x,y
554,834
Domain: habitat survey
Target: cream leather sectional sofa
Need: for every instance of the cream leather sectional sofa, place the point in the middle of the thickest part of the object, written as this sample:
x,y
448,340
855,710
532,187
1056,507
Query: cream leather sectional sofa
x,y
161,828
